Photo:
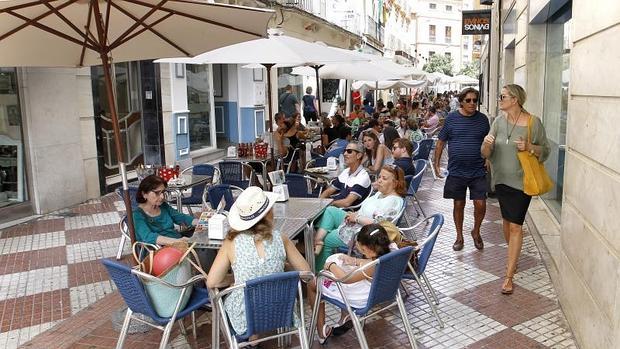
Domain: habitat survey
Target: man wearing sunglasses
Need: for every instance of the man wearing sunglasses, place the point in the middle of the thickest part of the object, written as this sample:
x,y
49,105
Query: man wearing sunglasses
x,y
353,184
463,131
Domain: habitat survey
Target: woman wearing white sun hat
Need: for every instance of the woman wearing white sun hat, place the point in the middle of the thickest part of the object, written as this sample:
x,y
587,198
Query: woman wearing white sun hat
x,y
251,249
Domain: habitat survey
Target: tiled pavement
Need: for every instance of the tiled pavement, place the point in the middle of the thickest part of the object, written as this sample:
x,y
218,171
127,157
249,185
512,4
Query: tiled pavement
x,y
54,293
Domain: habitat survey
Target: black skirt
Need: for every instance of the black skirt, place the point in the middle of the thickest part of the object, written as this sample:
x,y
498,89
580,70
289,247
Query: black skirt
x,y
513,203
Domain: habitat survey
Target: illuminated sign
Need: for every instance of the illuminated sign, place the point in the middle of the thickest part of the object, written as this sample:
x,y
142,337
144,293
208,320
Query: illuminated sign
x,y
477,22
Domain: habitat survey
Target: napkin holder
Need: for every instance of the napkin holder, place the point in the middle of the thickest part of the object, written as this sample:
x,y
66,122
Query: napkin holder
x,y
332,163
231,152
218,227
282,191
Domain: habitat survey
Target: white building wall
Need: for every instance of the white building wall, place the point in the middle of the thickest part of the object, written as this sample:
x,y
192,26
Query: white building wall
x,y
60,136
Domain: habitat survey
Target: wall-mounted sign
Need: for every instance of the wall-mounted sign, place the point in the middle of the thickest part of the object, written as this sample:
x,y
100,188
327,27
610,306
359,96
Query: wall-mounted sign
x,y
477,22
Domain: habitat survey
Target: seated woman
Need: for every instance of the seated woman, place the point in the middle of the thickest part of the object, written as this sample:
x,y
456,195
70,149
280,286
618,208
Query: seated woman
x,y
385,204
373,242
154,219
377,154
251,250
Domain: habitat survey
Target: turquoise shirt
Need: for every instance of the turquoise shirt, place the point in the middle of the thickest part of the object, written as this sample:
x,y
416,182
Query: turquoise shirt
x,y
149,228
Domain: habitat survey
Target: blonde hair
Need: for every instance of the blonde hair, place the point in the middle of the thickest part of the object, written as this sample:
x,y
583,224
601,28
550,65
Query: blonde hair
x,y
519,93
262,230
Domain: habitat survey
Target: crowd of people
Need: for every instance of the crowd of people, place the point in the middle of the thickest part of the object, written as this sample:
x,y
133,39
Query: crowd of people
x,y
377,143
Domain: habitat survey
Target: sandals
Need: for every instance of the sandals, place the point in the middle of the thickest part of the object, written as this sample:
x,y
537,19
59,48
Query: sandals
x,y
344,325
326,334
318,247
505,289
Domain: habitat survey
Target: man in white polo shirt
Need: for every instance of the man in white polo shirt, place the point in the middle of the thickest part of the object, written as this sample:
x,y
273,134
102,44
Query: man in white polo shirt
x,y
353,184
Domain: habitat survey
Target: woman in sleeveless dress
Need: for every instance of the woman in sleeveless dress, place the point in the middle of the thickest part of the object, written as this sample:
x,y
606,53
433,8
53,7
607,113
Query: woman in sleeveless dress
x,y
252,249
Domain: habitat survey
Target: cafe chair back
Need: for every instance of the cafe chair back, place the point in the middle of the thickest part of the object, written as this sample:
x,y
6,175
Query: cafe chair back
x,y
425,248
300,186
128,281
132,195
236,173
270,304
414,184
384,292
217,193
198,191
424,149
124,229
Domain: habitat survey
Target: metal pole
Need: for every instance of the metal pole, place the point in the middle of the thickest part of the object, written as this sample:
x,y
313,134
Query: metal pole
x,y
268,66
105,61
318,88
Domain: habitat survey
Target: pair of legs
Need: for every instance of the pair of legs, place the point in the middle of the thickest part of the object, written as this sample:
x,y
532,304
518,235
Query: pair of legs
x,y
513,204
458,213
331,219
456,189
321,328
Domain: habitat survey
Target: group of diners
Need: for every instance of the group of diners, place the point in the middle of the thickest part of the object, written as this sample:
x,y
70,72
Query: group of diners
x,y
253,248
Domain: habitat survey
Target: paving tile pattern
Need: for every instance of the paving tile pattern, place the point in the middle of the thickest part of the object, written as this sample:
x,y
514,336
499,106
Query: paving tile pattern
x,y
52,284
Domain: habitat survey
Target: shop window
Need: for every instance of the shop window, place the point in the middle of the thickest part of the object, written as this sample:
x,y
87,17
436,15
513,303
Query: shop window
x,y
432,32
432,6
199,104
448,34
555,112
449,8
12,179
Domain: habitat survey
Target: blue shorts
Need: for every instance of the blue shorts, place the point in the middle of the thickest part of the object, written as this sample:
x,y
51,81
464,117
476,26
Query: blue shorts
x,y
456,187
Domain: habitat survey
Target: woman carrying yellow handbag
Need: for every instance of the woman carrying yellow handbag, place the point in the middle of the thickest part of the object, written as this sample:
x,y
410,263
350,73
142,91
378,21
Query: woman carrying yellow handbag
x,y
516,146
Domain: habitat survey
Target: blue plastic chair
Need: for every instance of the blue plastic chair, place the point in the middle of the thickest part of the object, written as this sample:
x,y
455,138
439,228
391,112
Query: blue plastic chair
x,y
389,270
424,149
425,249
197,191
415,181
216,193
270,303
300,186
232,172
132,195
130,287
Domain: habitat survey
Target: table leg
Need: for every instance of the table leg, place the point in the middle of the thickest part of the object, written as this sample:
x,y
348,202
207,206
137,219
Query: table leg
x,y
179,201
265,176
215,327
309,245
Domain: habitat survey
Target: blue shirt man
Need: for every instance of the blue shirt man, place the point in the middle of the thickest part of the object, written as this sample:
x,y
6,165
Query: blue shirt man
x,y
464,130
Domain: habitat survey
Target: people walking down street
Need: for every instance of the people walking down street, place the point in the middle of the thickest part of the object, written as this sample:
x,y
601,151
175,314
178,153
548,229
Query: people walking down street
x,y
310,106
463,132
289,104
509,135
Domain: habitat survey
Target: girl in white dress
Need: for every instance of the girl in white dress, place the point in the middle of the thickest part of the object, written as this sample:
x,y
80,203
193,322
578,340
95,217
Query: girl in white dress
x,y
373,242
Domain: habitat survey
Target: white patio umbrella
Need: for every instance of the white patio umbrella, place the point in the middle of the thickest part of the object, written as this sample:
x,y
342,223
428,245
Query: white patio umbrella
x,y
277,49
78,33
388,84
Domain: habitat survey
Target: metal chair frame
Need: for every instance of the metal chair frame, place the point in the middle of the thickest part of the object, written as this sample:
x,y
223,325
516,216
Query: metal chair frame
x,y
205,196
220,318
414,184
310,184
358,316
244,167
138,294
124,229
419,275
197,199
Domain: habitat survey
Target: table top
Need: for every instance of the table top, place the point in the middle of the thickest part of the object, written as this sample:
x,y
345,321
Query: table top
x,y
291,226
190,181
302,208
252,158
323,176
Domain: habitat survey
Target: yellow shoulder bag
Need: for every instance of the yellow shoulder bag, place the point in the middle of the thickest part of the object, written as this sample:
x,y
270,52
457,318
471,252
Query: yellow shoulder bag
x,y
536,181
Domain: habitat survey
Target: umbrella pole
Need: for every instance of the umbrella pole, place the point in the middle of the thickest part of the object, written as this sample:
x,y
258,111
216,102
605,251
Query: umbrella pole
x,y
318,88
117,144
270,104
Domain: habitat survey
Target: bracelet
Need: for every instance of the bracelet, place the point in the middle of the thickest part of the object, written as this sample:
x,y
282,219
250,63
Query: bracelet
x,y
330,265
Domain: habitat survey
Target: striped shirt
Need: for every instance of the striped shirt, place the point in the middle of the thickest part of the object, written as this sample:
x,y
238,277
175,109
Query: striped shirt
x,y
464,135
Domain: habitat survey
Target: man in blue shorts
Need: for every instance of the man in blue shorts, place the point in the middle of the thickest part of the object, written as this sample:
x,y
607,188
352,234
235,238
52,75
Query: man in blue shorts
x,y
463,131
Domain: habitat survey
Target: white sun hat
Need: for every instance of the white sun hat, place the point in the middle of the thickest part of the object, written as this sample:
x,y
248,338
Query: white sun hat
x,y
250,207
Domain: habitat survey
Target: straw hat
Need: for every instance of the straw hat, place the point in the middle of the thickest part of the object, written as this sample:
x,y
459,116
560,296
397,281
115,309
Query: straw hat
x,y
250,207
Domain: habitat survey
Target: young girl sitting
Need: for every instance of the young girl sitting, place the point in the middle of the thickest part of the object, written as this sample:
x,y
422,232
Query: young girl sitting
x,y
373,242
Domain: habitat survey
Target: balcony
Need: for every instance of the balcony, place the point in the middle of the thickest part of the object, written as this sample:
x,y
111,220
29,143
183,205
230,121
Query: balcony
x,y
374,29
315,7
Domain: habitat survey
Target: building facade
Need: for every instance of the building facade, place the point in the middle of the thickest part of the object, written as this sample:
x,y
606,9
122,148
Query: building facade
x,y
559,51
439,31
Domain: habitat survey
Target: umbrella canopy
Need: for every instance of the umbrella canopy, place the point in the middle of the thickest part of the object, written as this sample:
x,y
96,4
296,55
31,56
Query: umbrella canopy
x,y
77,33
464,80
352,71
388,84
278,49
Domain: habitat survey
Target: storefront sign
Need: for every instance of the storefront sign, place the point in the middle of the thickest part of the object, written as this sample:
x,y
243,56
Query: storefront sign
x,y
477,22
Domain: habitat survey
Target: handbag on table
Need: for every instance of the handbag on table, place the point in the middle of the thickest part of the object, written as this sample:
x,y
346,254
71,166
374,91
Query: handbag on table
x,y
536,181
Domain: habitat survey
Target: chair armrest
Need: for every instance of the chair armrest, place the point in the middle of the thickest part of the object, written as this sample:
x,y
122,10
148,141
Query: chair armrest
x,y
149,277
329,275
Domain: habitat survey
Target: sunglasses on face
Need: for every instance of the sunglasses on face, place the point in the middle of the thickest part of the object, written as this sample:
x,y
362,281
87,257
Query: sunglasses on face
x,y
350,151
471,100
502,97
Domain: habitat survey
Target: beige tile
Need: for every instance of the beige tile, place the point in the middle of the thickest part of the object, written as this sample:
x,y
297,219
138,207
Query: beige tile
x,y
590,62
589,18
